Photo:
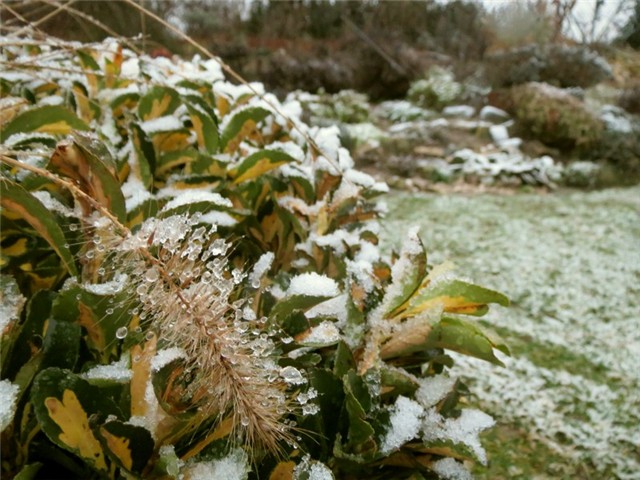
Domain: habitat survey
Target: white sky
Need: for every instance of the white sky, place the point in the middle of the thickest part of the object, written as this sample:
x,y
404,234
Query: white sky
x,y
613,15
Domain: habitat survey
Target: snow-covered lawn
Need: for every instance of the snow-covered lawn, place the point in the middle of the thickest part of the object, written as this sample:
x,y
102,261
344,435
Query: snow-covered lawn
x,y
570,262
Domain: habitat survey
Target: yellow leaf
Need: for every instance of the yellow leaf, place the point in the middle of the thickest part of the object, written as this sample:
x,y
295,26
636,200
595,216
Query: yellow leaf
x,y
223,430
90,323
199,128
56,128
222,104
260,167
248,127
141,375
158,107
283,471
119,446
18,248
74,423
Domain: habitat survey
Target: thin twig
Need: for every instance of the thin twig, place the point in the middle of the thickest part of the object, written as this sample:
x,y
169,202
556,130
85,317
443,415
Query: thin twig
x,y
44,19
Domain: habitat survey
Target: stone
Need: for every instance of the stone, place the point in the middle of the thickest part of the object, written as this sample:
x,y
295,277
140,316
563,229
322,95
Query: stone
x,y
460,111
498,133
493,114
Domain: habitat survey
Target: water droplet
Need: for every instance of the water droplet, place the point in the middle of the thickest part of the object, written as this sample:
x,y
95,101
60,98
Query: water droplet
x,y
109,311
90,254
73,227
122,332
149,335
152,275
97,240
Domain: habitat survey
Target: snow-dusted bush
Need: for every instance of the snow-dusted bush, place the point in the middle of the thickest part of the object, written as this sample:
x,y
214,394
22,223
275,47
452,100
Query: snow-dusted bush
x,y
193,287
438,90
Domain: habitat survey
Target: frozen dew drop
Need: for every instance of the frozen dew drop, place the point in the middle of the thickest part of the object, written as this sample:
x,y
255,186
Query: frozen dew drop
x,y
310,409
292,375
237,275
122,332
255,283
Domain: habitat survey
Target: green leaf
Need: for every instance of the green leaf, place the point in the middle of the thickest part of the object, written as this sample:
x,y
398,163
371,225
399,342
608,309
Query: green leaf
x,y
22,204
177,158
240,126
129,446
159,101
466,337
63,403
358,403
455,296
407,274
205,128
29,472
343,361
99,315
53,119
146,157
259,163
289,305
324,423
87,161
394,381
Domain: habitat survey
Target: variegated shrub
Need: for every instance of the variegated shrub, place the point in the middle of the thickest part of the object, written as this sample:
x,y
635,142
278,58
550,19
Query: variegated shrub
x,y
192,287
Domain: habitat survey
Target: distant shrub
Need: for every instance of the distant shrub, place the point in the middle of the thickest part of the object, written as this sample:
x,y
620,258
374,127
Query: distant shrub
x,y
630,99
560,65
555,117
437,91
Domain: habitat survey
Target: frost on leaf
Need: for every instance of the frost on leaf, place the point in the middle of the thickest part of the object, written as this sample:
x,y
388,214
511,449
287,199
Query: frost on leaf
x,y
11,302
8,397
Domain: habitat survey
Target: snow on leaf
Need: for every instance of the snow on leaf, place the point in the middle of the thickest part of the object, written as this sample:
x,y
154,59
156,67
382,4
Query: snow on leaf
x,y
314,285
8,397
406,420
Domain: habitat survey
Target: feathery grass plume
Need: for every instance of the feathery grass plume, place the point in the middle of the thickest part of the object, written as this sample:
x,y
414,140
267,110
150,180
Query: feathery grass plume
x,y
188,294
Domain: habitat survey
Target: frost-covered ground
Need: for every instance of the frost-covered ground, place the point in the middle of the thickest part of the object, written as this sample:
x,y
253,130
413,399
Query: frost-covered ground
x,y
570,262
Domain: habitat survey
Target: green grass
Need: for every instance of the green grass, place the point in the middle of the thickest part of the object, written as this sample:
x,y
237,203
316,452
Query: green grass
x,y
568,403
